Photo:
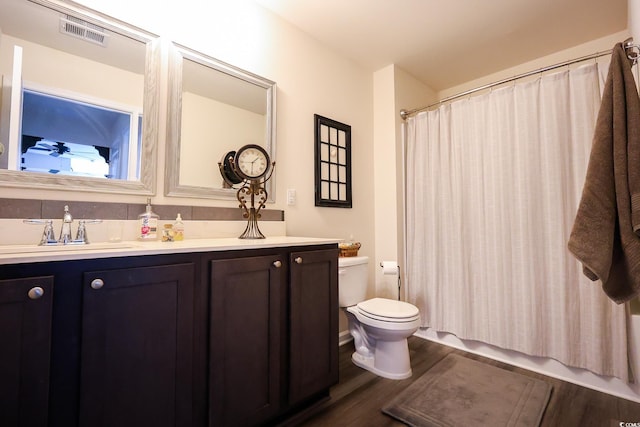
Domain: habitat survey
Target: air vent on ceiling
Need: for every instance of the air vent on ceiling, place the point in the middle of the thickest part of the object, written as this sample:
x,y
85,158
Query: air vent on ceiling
x,y
84,30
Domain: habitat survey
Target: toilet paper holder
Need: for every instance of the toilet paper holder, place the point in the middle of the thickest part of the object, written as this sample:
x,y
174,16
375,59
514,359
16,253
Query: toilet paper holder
x,y
392,267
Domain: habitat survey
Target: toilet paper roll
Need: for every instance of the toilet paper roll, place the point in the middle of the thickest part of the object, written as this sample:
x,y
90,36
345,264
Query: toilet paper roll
x,y
389,267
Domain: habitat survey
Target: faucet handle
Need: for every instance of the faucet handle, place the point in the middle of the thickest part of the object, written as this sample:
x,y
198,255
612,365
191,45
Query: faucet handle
x,y
48,235
81,236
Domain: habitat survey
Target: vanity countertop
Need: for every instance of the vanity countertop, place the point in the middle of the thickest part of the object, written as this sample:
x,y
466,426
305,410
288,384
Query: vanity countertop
x,y
18,254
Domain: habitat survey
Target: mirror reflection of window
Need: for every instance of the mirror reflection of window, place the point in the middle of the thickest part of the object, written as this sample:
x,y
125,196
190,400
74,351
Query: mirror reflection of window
x,y
100,143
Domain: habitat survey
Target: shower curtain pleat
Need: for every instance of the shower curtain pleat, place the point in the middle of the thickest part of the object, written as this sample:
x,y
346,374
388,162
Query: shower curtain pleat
x,y
493,184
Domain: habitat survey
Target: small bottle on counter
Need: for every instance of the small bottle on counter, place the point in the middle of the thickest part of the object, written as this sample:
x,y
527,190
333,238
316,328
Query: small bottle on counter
x,y
148,222
168,233
178,229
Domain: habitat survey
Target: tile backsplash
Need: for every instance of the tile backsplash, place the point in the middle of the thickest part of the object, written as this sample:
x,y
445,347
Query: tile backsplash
x,y
53,209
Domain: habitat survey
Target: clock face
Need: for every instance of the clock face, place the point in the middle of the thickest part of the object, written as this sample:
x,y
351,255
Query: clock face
x,y
252,162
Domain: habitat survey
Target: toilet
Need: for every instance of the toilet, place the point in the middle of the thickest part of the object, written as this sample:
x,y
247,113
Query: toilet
x,y
379,326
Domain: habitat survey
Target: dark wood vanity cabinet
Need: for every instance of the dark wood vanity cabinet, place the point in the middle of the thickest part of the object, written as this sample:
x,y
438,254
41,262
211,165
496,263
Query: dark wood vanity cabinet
x,y
25,334
117,351
247,329
194,339
137,346
274,334
313,323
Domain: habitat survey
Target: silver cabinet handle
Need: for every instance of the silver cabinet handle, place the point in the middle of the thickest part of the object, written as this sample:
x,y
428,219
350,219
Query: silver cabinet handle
x,y
277,264
97,283
298,260
35,292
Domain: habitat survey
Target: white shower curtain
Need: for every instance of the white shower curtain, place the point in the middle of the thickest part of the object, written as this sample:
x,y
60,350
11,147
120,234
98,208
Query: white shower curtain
x,y
493,185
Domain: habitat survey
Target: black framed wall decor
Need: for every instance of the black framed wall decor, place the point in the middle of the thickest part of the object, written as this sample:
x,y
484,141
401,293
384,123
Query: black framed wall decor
x,y
332,163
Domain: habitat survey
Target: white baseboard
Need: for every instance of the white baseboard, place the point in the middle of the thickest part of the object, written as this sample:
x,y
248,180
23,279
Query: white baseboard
x,y
344,337
549,367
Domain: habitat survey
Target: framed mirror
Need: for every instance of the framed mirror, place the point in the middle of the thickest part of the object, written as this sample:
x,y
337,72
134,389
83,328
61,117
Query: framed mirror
x,y
214,108
79,103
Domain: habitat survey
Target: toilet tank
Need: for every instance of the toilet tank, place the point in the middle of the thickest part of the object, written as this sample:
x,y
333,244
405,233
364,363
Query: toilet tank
x,y
352,280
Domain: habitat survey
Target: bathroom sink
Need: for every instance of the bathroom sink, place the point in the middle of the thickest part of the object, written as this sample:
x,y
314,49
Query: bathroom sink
x,y
36,249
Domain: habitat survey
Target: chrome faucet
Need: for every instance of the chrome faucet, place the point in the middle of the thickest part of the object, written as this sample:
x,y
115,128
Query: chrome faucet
x,y
49,238
65,231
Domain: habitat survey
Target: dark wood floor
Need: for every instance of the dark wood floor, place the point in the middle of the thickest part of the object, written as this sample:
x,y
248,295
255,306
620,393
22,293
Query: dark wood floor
x,y
356,400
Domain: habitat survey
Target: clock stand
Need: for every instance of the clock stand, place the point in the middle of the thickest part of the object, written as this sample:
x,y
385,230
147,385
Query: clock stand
x,y
251,167
252,190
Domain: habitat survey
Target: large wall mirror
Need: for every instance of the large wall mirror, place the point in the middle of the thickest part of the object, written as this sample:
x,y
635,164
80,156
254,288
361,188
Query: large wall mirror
x,y
214,108
78,106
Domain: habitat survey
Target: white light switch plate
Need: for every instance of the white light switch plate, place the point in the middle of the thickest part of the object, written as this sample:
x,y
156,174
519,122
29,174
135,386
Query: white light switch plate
x,y
291,197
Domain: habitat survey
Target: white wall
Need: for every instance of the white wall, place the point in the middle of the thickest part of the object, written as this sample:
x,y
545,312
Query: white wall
x,y
599,45
384,178
394,90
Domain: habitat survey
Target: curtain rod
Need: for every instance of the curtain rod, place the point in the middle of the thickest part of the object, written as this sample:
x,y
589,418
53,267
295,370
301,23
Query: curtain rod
x,y
628,45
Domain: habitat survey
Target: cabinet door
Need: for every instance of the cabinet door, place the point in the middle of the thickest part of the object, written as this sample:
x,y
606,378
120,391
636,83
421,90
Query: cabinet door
x,y
247,328
25,334
137,347
313,305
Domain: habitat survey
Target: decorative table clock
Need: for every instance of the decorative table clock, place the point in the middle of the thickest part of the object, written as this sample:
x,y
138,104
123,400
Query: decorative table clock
x,y
252,167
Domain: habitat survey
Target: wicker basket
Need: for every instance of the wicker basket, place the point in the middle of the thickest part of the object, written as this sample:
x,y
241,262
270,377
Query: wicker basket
x,y
349,249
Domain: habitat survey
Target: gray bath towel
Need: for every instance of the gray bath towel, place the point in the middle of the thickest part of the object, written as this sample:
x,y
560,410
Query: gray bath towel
x,y
604,235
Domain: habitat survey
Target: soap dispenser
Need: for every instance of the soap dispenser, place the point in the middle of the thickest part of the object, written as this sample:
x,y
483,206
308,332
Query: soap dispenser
x,y
148,222
178,229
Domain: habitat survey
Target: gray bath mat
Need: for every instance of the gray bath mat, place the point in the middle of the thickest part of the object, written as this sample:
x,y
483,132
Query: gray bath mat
x,y
458,391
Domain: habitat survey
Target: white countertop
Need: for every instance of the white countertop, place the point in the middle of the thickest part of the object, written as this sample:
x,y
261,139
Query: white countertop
x,y
17,254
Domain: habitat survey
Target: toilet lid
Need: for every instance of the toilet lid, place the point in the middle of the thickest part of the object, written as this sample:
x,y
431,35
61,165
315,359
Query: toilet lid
x,y
388,308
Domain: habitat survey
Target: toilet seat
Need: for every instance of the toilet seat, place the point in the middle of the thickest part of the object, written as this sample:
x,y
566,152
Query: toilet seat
x,y
388,310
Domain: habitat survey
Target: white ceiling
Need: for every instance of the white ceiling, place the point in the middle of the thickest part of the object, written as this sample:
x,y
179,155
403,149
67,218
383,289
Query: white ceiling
x,y
444,43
